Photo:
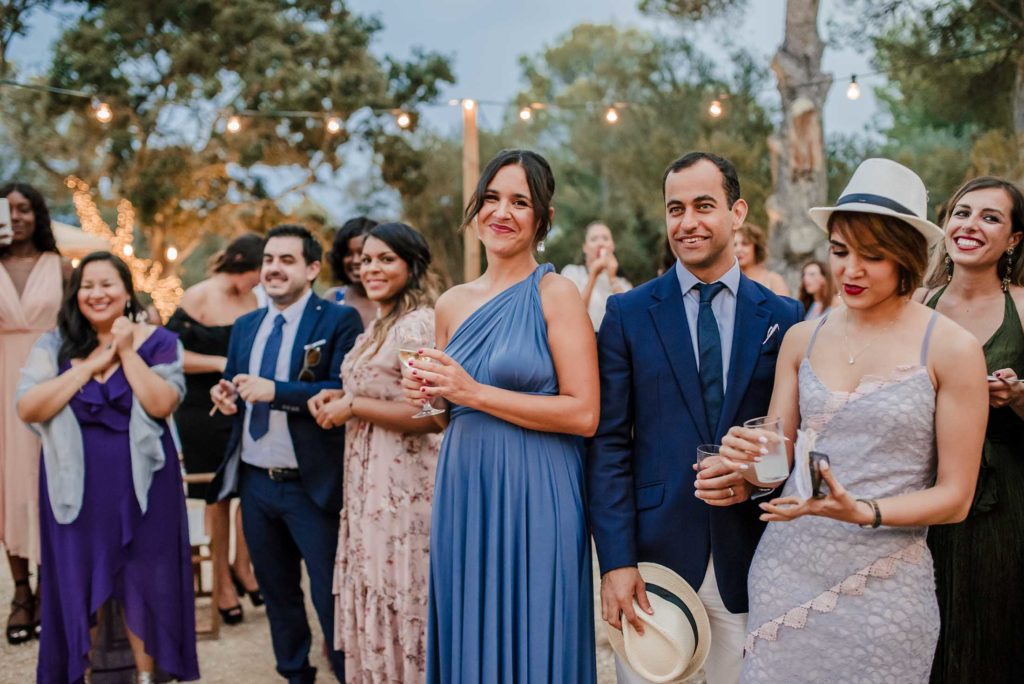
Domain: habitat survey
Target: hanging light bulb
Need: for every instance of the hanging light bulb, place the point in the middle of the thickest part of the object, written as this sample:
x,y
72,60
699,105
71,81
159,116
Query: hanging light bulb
x,y
333,125
102,112
75,262
234,124
715,109
612,115
853,90
468,104
172,253
525,114
403,120
127,250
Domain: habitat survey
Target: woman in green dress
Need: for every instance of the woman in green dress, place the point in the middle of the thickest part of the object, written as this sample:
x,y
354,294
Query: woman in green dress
x,y
979,563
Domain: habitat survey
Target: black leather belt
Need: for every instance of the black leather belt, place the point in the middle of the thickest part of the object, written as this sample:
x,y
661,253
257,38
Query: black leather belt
x,y
277,474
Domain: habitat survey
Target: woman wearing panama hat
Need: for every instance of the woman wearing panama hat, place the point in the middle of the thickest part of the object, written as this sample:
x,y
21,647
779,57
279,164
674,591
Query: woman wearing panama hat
x,y
896,396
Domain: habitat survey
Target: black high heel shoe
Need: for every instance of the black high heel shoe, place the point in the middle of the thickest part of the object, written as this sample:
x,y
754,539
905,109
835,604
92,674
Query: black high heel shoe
x,y
232,615
19,634
256,596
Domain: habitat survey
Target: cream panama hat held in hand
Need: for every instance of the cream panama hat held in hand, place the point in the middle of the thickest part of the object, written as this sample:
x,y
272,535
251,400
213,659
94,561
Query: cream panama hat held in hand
x,y
881,186
676,637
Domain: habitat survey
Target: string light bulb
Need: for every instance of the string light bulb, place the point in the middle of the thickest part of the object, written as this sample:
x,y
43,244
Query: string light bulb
x,y
612,115
525,114
172,253
234,124
403,120
102,112
127,250
75,262
853,90
469,104
333,125
715,109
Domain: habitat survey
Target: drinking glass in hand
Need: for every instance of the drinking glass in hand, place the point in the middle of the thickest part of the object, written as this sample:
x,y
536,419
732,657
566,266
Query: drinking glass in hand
x,y
773,465
706,451
411,339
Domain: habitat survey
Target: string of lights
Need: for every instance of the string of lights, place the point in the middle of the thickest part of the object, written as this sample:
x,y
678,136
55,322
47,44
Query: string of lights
x,y
334,122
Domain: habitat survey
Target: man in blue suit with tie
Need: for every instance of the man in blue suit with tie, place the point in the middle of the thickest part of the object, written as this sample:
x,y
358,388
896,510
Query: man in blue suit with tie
x,y
683,358
286,469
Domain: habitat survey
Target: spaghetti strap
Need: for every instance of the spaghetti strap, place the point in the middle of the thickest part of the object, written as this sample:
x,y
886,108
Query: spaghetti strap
x,y
927,338
814,336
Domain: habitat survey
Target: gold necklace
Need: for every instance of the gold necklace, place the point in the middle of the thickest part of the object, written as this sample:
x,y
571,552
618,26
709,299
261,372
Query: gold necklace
x,y
851,357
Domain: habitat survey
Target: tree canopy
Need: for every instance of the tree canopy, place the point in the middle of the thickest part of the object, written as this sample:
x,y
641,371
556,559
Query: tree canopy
x,y
173,71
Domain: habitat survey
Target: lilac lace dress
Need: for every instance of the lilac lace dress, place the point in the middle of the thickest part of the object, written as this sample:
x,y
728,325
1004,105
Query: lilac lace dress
x,y
829,601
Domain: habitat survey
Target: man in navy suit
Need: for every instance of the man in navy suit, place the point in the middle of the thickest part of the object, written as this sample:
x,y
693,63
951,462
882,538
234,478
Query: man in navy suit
x,y
288,471
683,358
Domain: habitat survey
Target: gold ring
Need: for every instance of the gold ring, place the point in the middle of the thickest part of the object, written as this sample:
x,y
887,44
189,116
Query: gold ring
x,y
732,492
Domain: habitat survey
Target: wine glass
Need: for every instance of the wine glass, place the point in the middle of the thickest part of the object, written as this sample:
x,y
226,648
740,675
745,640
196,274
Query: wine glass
x,y
411,338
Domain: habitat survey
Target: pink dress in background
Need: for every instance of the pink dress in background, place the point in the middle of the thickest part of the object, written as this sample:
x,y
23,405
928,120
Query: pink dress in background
x,y
22,320
382,566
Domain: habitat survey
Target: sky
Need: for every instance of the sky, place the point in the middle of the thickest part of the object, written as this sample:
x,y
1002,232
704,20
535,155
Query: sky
x,y
485,39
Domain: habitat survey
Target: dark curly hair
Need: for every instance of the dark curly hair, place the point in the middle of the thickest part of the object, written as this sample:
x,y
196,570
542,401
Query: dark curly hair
x,y
354,227
42,237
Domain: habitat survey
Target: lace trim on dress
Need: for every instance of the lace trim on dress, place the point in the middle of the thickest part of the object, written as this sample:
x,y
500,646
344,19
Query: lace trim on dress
x,y
837,399
825,602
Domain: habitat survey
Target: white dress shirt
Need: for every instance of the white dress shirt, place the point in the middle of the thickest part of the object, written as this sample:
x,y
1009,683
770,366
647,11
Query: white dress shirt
x,y
723,306
274,449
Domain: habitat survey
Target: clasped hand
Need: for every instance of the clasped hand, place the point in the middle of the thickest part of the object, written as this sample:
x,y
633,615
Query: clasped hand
x,y
743,447
435,374
330,408
102,358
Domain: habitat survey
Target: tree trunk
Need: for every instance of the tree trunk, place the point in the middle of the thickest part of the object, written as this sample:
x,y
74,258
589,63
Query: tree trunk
x,y
798,148
1018,107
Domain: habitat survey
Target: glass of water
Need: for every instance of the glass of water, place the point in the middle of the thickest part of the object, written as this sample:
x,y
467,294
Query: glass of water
x,y
706,451
774,465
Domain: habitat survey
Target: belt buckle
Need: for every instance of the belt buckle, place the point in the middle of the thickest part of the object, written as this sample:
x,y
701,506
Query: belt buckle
x,y
274,474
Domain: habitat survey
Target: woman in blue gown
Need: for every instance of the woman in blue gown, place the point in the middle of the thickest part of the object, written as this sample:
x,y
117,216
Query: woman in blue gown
x,y
510,579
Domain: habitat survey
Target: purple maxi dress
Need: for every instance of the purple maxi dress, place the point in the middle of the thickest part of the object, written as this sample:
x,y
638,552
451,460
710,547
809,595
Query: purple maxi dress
x,y
111,551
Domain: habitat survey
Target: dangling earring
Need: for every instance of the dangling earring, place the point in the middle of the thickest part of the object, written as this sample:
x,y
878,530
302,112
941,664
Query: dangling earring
x,y
1009,269
949,269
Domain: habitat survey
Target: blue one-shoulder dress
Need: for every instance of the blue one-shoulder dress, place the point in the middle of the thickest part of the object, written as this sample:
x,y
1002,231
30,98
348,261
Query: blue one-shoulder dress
x,y
510,584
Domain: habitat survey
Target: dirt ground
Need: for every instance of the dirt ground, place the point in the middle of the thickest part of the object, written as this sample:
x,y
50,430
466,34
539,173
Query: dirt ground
x,y
242,653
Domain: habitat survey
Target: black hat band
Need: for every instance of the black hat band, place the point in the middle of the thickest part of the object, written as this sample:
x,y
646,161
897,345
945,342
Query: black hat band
x,y
678,603
878,200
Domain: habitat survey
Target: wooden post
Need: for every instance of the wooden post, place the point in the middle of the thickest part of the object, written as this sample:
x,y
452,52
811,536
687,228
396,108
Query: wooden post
x,y
470,176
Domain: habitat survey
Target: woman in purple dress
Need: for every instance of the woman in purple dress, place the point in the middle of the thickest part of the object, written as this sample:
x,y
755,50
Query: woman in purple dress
x,y
115,549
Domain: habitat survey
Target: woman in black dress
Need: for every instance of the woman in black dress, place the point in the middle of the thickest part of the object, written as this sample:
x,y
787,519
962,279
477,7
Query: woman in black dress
x,y
203,322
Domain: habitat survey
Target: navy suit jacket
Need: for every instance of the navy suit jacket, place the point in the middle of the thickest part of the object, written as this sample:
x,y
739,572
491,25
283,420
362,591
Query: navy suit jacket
x,y
640,462
318,451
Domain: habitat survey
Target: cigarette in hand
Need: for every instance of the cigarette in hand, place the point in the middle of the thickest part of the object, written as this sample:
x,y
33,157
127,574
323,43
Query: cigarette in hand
x,y
213,410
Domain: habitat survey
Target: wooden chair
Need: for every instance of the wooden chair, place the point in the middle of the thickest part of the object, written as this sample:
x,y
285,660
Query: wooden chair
x,y
202,552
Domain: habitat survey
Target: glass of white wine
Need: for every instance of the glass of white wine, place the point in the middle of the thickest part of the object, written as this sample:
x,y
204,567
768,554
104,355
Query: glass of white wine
x,y
411,339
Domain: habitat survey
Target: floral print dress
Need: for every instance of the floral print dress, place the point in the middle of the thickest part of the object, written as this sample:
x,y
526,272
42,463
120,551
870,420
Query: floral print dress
x,y
382,565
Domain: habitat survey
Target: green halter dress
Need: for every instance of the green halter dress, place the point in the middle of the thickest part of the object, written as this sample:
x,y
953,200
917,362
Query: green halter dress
x,y
979,563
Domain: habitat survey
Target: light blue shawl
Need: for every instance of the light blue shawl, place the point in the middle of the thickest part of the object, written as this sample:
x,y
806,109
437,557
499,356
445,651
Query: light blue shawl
x,y
63,453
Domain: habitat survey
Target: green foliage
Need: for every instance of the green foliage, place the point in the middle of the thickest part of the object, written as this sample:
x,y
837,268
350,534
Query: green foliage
x,y
691,10
949,119
614,173
170,68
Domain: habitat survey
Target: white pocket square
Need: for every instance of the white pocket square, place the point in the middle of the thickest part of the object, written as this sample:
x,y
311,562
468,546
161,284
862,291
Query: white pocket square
x,y
771,332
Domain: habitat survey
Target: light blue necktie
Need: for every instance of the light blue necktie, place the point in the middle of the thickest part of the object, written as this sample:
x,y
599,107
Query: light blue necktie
x,y
259,420
709,345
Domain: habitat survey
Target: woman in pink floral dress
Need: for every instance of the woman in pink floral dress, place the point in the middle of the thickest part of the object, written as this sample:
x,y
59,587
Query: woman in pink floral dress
x,y
381,572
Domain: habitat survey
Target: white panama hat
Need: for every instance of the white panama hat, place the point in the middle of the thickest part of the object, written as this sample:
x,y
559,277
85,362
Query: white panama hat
x,y
676,638
881,186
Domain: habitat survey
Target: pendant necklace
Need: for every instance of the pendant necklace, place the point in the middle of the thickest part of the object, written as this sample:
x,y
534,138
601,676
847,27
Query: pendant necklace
x,y
851,357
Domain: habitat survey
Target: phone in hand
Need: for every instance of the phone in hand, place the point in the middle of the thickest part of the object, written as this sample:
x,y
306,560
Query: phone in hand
x,y
6,230
815,459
